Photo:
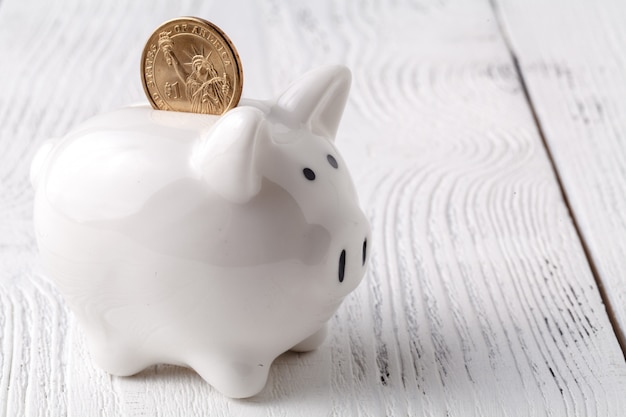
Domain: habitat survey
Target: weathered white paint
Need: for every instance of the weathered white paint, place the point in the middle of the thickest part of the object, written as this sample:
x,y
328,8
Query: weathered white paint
x,y
479,299
574,62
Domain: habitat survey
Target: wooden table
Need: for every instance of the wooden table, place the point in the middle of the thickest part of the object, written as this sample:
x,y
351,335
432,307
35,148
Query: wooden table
x,y
488,143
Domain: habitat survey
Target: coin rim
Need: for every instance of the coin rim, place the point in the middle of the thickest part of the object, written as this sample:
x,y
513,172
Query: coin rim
x,y
229,43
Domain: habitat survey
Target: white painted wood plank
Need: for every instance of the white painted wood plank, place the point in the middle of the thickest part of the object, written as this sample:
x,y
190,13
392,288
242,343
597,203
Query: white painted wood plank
x,y
573,58
479,300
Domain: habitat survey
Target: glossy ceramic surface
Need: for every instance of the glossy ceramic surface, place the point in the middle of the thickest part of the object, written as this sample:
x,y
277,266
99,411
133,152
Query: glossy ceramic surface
x,y
214,242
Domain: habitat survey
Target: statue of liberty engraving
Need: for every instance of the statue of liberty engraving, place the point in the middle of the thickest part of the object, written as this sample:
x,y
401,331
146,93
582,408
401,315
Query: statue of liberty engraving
x,y
205,89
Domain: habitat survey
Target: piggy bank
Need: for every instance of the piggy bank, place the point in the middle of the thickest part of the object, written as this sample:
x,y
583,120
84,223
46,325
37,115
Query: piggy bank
x,y
213,242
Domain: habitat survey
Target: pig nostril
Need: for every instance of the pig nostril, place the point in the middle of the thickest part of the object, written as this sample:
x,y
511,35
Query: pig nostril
x,y
364,251
342,265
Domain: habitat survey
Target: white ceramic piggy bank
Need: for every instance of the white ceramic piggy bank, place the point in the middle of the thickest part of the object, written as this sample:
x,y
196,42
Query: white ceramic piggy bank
x,y
214,242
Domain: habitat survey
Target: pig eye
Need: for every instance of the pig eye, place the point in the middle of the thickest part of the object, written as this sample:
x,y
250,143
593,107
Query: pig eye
x,y
308,174
332,161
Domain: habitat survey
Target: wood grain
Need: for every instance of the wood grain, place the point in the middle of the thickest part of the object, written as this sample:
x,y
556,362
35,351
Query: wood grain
x,y
577,83
479,299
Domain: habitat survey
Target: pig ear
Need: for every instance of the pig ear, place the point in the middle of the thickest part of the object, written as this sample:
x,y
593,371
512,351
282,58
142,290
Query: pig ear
x,y
226,157
315,101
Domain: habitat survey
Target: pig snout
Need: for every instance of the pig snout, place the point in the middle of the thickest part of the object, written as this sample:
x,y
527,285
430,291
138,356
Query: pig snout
x,y
352,253
362,254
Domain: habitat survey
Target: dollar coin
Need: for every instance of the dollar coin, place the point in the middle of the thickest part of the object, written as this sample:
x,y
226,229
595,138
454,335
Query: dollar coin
x,y
190,65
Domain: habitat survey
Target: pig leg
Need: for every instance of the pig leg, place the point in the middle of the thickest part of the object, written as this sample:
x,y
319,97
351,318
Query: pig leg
x,y
312,342
235,379
115,356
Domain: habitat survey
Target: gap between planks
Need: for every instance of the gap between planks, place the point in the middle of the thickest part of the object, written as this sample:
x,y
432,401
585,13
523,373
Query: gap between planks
x,y
621,337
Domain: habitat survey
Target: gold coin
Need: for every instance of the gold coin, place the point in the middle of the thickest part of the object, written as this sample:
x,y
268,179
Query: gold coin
x,y
190,65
